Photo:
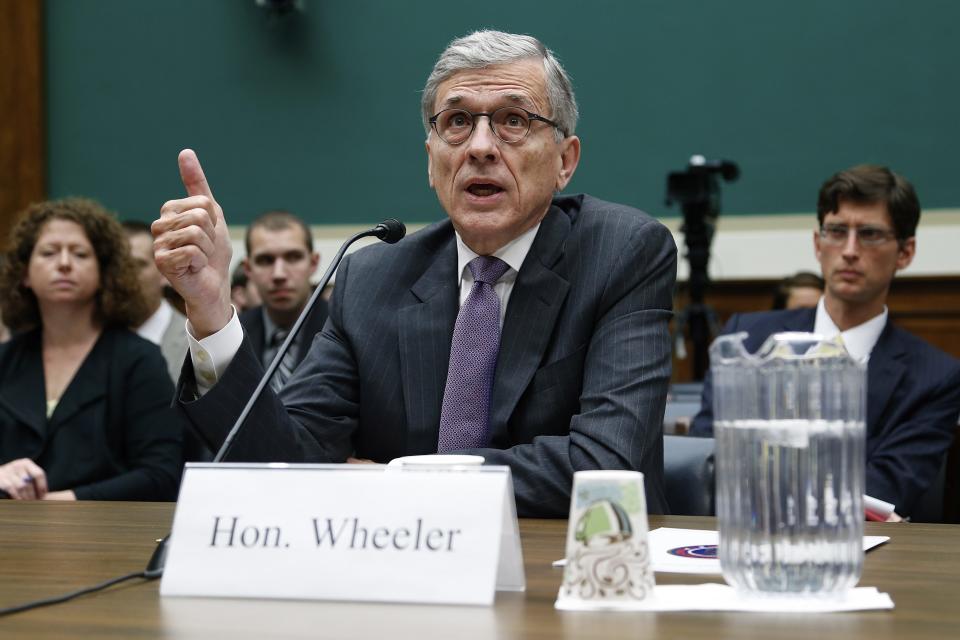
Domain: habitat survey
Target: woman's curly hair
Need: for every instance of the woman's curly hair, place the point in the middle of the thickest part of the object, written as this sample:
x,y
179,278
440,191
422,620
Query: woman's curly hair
x,y
119,301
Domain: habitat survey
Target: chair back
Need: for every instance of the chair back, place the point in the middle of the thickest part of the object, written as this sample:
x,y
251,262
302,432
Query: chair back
x,y
689,475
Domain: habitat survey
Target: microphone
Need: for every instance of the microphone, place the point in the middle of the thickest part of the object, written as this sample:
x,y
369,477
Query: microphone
x,y
390,231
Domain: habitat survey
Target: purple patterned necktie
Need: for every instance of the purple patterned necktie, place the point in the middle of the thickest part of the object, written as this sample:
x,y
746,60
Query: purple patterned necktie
x,y
465,416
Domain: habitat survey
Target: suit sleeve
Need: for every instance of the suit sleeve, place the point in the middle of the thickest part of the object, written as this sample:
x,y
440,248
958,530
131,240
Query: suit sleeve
x,y
907,458
150,433
625,378
313,418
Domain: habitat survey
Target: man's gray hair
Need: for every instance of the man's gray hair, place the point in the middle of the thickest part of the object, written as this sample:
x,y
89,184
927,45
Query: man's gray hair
x,y
485,48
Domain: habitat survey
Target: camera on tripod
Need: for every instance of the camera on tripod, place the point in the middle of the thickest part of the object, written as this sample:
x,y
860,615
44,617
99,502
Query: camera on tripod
x,y
697,191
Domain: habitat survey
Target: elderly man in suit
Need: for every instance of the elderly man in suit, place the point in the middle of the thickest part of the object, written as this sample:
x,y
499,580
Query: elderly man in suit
x,y
868,218
166,327
280,260
528,327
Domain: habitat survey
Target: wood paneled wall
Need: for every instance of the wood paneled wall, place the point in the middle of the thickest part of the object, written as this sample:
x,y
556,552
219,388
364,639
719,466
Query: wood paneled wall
x,y
22,140
927,306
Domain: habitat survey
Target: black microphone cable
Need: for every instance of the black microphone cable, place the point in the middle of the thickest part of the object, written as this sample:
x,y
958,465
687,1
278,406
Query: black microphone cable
x,y
153,571
70,596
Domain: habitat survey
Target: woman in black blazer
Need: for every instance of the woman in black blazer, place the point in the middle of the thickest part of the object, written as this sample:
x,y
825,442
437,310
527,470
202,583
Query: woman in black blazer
x,y
84,402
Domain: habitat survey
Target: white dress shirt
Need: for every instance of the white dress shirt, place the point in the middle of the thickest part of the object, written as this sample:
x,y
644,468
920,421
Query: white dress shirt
x,y
859,340
156,325
513,253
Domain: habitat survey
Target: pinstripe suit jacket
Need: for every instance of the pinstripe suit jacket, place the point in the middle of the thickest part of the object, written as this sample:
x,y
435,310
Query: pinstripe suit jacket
x,y
580,383
913,400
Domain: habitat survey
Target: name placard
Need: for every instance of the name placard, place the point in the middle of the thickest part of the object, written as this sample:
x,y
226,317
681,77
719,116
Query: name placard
x,y
345,532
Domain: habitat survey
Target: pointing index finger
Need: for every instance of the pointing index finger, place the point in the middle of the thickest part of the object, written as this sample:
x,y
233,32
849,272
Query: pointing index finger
x,y
191,173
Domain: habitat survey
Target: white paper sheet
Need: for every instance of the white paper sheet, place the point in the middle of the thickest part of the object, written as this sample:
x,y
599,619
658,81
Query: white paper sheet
x,y
694,551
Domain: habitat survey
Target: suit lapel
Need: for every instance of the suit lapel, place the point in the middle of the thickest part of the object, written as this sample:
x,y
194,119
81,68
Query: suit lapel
x,y
23,392
884,372
532,311
312,326
801,320
88,384
425,333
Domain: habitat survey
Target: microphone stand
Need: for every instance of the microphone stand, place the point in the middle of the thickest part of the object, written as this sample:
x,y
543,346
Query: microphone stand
x,y
390,231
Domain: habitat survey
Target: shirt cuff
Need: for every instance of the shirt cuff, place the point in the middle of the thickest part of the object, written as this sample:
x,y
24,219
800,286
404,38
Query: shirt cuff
x,y
212,355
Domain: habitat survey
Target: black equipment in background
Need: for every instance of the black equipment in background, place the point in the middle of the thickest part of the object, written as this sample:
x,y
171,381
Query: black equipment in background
x,y
697,191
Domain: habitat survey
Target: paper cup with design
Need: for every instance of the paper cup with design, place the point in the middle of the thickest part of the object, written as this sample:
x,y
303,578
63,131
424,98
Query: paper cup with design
x,y
608,555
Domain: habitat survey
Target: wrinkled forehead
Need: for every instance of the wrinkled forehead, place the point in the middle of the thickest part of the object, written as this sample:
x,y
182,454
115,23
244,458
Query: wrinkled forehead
x,y
521,83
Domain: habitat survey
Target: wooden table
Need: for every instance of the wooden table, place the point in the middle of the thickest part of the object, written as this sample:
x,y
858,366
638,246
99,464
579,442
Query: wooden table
x,y
51,548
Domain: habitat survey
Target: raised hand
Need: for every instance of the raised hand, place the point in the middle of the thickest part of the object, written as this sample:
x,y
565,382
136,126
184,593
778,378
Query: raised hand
x,y
192,249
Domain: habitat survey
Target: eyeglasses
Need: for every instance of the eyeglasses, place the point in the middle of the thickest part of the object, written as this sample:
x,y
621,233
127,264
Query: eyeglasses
x,y
837,234
509,124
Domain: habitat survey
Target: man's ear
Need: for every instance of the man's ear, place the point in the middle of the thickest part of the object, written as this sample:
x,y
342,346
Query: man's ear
x,y
569,159
247,267
906,252
314,262
426,145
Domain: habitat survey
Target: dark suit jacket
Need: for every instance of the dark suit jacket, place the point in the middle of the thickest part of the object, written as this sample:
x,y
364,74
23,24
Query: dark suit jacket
x,y
580,383
252,321
913,400
113,434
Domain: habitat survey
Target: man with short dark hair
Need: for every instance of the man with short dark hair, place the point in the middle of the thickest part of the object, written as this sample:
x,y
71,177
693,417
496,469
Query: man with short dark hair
x,y
868,217
280,261
529,328
166,326
800,291
242,292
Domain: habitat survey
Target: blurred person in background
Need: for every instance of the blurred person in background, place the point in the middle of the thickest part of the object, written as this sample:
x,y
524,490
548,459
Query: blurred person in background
x,y
84,402
165,327
868,217
243,293
280,262
802,290
4,332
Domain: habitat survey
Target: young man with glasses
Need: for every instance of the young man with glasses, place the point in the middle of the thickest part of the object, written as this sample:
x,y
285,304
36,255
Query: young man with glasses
x,y
530,328
868,218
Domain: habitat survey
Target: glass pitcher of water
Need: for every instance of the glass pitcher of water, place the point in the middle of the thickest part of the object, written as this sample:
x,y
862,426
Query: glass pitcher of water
x,y
789,427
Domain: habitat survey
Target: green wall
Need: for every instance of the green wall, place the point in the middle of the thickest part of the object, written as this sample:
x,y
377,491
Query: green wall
x,y
319,113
